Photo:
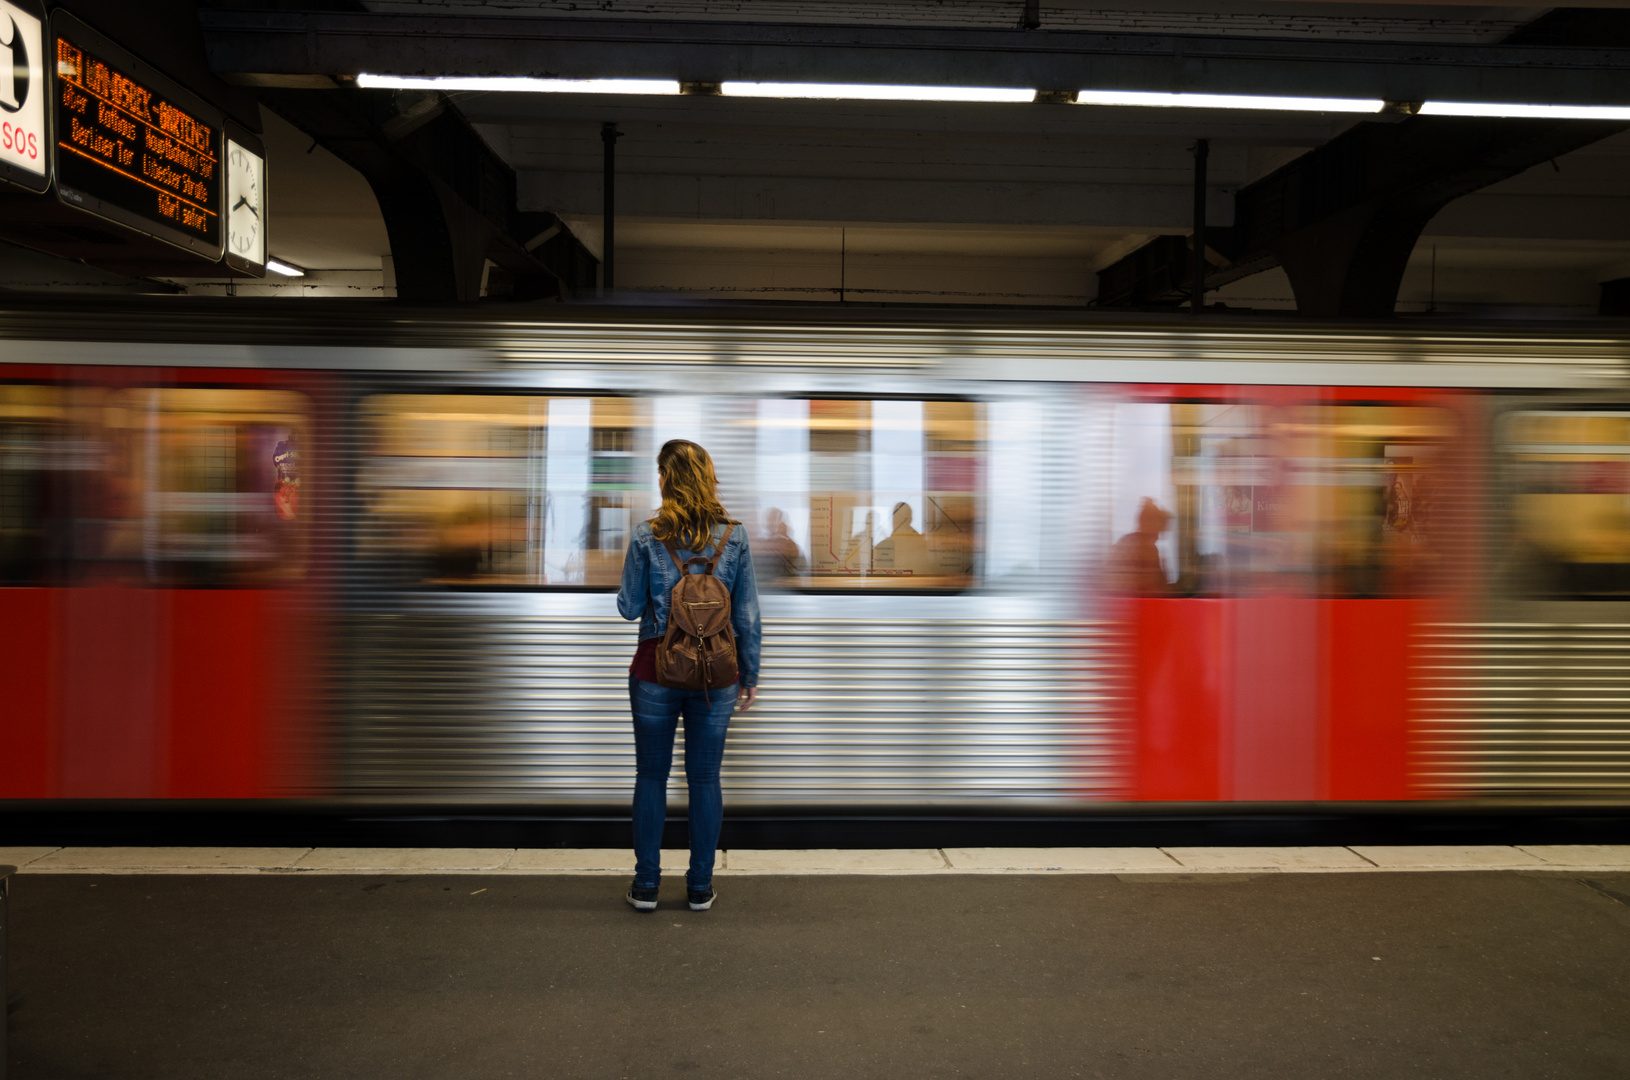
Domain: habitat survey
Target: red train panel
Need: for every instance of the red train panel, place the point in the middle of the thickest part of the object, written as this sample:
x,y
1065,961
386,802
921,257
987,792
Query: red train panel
x,y
30,651
156,630
1368,699
1180,665
1272,643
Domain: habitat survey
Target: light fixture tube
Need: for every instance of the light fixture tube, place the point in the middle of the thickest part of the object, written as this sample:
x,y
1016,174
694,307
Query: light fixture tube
x,y
997,94
278,266
1542,112
1228,101
875,92
518,83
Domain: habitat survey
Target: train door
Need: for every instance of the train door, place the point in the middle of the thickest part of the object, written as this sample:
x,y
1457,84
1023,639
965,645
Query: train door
x,y
34,432
1273,553
160,593
1531,691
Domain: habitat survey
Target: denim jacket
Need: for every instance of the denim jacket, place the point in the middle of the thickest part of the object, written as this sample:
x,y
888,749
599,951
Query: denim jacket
x,y
649,575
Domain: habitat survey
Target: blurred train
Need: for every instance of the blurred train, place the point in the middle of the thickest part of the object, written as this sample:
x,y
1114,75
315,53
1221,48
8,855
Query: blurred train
x,y
370,556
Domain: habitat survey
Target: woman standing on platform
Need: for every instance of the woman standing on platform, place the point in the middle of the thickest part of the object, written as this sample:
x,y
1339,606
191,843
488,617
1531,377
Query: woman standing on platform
x,y
690,523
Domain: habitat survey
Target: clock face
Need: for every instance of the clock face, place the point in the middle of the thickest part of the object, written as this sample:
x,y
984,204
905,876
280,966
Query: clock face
x,y
245,204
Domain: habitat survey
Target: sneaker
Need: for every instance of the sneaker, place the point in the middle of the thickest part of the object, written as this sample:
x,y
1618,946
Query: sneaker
x,y
701,901
642,899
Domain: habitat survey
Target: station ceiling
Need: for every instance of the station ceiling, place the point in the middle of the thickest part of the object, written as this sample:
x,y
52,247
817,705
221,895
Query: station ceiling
x,y
902,201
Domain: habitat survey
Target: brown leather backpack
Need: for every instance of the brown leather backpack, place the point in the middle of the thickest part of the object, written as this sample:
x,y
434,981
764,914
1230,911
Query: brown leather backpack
x,y
698,652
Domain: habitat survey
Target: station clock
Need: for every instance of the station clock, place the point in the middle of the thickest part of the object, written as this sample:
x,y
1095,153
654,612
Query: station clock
x,y
245,203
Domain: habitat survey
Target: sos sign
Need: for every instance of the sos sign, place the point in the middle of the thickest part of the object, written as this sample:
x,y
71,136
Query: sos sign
x,y
25,150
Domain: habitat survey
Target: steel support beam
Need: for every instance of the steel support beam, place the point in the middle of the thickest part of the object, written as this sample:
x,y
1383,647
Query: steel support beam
x,y
294,44
447,199
1197,261
608,208
1343,218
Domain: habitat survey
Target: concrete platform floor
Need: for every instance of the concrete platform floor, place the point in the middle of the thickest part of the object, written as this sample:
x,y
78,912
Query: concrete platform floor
x,y
939,861
1493,973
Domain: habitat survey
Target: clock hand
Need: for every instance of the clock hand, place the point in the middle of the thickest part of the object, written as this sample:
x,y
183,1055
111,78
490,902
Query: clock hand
x,y
242,200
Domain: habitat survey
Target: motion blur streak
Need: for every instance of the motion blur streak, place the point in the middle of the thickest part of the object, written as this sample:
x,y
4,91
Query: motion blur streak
x,y
1034,567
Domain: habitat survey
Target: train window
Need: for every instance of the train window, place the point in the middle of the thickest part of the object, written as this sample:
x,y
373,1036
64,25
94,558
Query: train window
x,y
35,455
1571,502
504,490
207,486
868,494
161,486
1232,498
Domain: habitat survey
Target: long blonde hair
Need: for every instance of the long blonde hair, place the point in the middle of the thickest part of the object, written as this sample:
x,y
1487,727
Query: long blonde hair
x,y
690,496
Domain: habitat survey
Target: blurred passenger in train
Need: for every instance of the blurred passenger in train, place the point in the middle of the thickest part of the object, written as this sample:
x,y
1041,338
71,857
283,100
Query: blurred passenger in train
x,y
1398,507
1406,553
906,549
1135,568
119,496
690,523
461,543
286,482
779,557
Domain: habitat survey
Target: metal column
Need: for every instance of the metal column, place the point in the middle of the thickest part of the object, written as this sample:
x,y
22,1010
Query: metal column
x,y
1197,284
608,225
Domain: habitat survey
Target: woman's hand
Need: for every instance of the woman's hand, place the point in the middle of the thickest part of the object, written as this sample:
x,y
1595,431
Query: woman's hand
x,y
745,696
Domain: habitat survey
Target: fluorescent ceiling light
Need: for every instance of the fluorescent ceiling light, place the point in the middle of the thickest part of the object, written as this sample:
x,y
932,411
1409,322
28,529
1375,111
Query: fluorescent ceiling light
x,y
278,266
1229,101
1543,112
888,92
518,83
874,92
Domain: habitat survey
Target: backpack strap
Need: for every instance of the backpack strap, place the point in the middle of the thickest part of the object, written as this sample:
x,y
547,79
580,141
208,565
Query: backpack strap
x,y
718,546
710,563
724,541
673,553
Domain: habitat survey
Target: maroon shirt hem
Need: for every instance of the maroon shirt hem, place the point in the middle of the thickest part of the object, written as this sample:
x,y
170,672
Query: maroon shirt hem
x,y
645,660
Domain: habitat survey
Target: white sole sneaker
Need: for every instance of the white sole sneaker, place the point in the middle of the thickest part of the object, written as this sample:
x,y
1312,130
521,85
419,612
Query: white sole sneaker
x,y
705,904
640,905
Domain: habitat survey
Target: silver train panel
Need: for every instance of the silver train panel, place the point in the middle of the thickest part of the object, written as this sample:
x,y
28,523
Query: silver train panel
x,y
1001,695
629,352
1525,708
465,705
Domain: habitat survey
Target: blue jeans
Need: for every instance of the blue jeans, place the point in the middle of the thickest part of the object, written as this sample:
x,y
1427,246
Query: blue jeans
x,y
656,714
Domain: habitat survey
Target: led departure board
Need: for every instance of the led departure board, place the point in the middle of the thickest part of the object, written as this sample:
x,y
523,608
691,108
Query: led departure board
x,y
131,145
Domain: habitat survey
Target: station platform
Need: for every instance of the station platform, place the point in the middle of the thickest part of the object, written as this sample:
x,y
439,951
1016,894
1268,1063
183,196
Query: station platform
x,y
932,861
1091,962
